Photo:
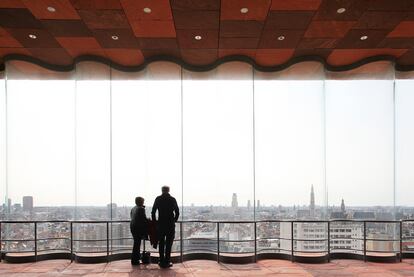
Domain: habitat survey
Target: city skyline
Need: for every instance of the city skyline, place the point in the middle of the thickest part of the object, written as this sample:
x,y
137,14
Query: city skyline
x,y
213,157
29,200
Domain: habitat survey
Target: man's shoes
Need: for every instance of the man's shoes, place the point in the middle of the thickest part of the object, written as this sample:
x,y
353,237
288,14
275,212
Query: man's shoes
x,y
165,264
135,262
162,265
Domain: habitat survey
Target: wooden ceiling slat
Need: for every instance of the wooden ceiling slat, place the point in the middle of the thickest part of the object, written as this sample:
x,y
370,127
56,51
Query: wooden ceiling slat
x,y
271,31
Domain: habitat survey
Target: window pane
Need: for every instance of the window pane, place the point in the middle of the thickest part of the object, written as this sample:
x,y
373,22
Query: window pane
x,y
93,149
289,149
41,148
404,103
359,145
218,144
93,146
146,137
3,196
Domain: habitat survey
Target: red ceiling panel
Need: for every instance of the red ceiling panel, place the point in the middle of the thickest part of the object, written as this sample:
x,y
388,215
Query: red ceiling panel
x,y
379,20
63,9
270,39
288,20
67,28
52,55
125,56
328,10
308,27
317,43
148,53
407,57
257,9
125,38
96,4
160,9
78,42
323,53
6,51
11,4
295,5
397,43
199,56
205,5
6,40
154,29
196,19
158,43
43,38
18,18
353,39
186,39
328,29
268,57
104,19
3,32
251,53
404,29
348,56
239,43
391,5
77,52
240,28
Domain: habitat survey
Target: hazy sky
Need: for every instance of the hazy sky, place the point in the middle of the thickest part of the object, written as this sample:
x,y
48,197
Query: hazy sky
x,y
217,141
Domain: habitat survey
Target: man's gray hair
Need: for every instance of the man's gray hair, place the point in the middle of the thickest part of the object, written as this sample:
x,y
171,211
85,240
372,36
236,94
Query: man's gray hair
x,y
165,189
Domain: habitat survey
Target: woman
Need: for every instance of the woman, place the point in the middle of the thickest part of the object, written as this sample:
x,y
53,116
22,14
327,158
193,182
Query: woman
x,y
139,228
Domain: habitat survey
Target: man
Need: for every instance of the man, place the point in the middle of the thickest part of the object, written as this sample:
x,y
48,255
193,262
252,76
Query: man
x,y
168,214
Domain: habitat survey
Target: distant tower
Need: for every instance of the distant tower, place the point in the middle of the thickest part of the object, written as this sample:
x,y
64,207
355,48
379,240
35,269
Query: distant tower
x,y
343,206
248,204
9,204
28,203
312,203
112,211
234,203
258,204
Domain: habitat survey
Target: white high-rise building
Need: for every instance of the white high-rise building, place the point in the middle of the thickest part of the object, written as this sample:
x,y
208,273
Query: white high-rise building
x,y
312,237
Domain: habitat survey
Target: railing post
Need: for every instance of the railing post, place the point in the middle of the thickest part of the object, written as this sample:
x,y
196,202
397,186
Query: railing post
x,y
181,241
35,240
107,241
329,241
255,242
365,241
218,242
71,241
401,240
292,258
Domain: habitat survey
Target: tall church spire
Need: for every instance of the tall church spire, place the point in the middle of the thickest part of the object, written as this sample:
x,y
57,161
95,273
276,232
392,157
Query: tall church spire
x,y
312,203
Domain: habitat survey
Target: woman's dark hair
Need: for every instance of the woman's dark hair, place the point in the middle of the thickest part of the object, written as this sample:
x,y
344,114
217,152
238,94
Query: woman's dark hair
x,y
139,201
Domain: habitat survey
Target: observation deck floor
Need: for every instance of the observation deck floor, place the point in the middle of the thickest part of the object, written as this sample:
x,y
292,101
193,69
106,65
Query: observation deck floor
x,y
205,268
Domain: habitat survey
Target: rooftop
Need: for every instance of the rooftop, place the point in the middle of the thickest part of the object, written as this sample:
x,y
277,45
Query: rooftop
x,y
208,268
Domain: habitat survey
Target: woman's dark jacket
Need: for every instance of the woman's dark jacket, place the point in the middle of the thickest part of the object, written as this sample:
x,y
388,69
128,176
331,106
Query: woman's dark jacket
x,y
139,222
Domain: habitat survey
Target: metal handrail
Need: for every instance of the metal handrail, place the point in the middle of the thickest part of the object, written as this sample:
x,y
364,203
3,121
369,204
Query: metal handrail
x,y
214,221
293,239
